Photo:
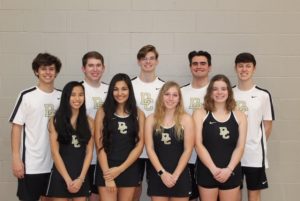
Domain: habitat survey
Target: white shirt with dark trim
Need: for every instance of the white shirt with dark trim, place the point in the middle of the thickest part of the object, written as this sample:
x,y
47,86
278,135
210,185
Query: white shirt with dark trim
x,y
193,98
145,95
94,98
256,103
33,109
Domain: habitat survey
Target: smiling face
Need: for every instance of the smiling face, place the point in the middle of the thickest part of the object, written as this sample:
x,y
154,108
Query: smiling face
x,y
121,92
219,91
171,98
148,63
245,70
77,97
46,74
93,70
200,67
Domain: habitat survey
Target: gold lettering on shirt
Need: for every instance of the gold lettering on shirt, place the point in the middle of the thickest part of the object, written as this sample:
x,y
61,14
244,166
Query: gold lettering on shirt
x,y
49,110
195,103
165,137
146,101
224,133
97,102
75,141
242,106
122,127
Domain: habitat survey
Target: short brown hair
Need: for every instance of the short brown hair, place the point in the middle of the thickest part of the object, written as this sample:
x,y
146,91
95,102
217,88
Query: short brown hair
x,y
46,59
94,55
144,50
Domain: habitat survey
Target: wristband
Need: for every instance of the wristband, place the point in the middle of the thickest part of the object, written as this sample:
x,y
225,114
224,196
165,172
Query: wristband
x,y
160,172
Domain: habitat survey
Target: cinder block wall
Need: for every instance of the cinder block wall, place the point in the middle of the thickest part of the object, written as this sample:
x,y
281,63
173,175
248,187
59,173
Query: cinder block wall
x,y
69,28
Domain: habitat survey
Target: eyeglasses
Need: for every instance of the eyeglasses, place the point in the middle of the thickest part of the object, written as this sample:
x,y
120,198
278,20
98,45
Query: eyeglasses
x,y
148,59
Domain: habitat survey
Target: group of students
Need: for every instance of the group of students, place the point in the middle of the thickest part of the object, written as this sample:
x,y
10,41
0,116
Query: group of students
x,y
96,141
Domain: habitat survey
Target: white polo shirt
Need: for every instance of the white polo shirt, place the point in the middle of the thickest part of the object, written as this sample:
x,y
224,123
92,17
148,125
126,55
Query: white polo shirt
x,y
94,98
193,99
256,103
33,109
145,95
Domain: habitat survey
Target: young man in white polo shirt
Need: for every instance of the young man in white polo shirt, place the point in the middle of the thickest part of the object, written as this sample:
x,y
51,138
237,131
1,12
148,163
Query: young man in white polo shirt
x,y
95,93
256,103
146,88
31,156
193,97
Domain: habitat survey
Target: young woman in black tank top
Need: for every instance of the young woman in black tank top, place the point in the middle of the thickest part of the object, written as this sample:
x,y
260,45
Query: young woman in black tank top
x,y
71,143
169,139
119,139
220,140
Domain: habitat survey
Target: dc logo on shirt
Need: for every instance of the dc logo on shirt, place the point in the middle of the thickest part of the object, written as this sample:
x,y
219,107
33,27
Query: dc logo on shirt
x,y
75,141
146,101
97,102
165,137
242,106
224,133
49,110
122,127
195,103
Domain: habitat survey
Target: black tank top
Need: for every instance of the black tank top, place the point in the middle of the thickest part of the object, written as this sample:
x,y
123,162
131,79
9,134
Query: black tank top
x,y
73,155
220,138
168,148
122,138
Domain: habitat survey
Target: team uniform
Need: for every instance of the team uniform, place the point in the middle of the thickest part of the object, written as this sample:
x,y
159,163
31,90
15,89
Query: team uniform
x,y
122,143
256,103
168,149
220,140
94,98
33,109
57,186
145,95
193,99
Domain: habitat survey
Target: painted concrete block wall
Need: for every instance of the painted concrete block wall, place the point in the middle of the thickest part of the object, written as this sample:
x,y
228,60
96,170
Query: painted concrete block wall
x,y
118,28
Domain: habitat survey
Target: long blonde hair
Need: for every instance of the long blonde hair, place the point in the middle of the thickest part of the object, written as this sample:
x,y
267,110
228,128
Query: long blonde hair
x,y
160,110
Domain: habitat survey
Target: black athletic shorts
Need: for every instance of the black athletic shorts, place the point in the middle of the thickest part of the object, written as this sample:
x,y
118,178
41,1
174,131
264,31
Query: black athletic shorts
x,y
92,175
32,186
256,178
57,186
129,178
156,187
143,164
195,193
205,178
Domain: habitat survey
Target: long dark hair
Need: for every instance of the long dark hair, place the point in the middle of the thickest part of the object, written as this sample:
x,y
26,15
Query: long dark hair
x,y
110,106
62,118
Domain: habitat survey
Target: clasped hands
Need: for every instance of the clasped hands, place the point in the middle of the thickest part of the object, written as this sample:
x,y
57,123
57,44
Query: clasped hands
x,y
221,174
74,185
169,179
109,175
